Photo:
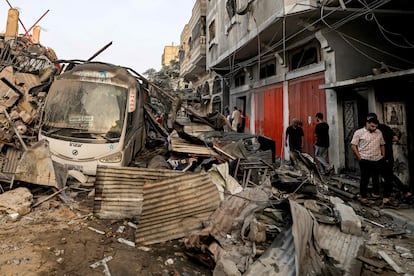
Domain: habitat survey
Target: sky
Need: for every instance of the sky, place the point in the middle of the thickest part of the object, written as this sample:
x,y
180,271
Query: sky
x,y
138,29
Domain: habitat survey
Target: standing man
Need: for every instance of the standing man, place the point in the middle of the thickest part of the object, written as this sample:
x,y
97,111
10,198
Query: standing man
x,y
322,144
387,169
236,117
294,138
368,146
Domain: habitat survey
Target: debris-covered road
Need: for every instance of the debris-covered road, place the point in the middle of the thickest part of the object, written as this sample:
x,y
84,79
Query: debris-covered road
x,y
61,236
54,240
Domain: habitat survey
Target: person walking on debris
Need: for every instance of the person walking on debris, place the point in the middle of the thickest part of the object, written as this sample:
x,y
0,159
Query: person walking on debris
x,y
387,168
368,146
322,144
294,137
235,117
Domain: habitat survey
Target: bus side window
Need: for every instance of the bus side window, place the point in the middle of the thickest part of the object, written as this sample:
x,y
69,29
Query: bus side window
x,y
130,120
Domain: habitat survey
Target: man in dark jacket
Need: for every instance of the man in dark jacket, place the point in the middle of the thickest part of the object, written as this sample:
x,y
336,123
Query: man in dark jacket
x,y
322,144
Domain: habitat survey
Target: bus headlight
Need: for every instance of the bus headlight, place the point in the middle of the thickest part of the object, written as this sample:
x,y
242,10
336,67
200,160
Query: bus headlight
x,y
113,158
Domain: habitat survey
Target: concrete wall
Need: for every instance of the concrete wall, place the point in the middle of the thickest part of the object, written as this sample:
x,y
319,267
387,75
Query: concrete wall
x,y
232,33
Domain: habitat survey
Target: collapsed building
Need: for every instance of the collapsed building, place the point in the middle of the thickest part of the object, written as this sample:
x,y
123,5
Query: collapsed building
x,y
26,71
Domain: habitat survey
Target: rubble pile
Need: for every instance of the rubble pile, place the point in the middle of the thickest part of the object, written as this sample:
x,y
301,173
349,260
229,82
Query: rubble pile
x,y
236,210
26,72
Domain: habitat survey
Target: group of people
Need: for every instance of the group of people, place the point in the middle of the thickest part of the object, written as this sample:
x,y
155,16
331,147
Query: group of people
x,y
236,119
294,139
372,146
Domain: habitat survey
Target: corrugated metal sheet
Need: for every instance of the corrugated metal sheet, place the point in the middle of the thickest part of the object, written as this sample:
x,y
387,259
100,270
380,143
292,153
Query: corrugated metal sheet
x,y
297,249
305,100
278,259
119,190
176,206
311,237
342,247
269,114
11,160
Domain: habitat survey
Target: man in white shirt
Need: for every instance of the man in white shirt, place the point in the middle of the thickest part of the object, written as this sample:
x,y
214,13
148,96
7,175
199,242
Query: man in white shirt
x,y
235,116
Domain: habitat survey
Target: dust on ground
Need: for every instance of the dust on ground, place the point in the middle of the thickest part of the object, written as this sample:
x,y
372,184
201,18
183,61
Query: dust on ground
x,y
57,239
381,233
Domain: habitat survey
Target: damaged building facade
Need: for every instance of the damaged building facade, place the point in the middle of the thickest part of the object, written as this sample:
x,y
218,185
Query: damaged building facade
x,y
279,60
207,85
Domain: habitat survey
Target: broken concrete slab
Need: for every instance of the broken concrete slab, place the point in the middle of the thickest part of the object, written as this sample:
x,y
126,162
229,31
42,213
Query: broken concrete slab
x,y
350,222
18,200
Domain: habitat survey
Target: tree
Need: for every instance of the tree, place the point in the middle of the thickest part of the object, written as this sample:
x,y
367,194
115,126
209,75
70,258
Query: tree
x,y
167,78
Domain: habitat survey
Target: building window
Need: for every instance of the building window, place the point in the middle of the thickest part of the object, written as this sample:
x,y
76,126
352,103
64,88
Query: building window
x,y
199,28
231,8
304,56
206,89
212,31
268,69
217,85
181,54
217,104
240,79
190,43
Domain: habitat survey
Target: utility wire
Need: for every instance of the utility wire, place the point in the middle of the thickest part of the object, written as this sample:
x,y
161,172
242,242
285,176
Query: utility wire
x,y
368,9
383,31
253,60
343,21
344,37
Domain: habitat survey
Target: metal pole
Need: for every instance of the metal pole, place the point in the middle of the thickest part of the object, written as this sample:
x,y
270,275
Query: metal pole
x,y
100,51
27,32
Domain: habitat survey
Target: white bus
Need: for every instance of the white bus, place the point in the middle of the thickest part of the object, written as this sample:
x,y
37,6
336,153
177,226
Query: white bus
x,y
94,115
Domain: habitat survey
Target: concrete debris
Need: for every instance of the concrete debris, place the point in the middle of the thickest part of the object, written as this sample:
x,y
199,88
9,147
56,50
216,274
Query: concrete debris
x,y
238,212
104,263
96,230
26,73
127,242
350,222
18,201
401,249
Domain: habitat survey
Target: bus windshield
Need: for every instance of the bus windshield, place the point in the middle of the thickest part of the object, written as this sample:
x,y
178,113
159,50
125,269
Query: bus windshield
x,y
85,110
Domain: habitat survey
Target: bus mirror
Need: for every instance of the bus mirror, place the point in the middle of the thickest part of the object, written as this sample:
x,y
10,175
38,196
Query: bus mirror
x,y
132,100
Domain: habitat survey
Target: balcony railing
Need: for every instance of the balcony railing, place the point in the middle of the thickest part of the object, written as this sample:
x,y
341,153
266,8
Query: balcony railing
x,y
195,58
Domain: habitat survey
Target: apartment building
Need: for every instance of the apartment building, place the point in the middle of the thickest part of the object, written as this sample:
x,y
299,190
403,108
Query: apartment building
x,y
285,59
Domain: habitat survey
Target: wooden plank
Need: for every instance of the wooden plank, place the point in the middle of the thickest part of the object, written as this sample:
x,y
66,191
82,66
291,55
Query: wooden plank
x,y
237,168
49,197
179,145
223,152
371,262
390,261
